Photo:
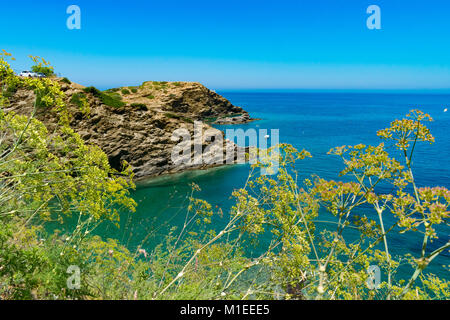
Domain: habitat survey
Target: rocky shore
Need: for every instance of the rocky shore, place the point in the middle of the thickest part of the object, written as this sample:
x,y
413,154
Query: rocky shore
x,y
136,124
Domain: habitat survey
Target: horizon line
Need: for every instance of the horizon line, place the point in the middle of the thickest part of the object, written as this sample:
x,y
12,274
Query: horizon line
x,y
327,90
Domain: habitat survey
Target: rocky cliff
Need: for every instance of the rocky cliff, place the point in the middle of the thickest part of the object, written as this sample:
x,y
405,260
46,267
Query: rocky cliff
x,y
136,124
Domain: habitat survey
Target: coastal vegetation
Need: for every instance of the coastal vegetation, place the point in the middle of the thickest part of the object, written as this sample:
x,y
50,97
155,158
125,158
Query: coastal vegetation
x,y
51,176
66,80
110,99
81,101
42,66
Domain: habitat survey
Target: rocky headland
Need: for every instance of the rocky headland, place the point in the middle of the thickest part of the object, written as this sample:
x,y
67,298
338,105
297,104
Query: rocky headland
x,y
136,124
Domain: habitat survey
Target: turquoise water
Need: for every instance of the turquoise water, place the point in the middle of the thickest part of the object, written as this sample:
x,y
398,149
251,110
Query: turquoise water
x,y
316,122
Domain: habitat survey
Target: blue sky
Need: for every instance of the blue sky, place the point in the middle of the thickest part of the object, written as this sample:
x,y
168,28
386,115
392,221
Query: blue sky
x,y
246,44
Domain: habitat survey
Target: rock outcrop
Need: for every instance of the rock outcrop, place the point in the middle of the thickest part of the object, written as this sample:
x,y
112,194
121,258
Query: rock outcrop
x,y
139,126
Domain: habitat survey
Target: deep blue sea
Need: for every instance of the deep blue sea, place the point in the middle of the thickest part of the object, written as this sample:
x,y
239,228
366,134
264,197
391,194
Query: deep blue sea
x,y
315,122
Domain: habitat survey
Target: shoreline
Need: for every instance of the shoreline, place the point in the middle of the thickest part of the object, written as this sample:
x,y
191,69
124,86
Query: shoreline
x,y
151,180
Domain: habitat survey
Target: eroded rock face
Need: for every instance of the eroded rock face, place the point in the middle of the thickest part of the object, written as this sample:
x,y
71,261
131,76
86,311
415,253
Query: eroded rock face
x,y
142,131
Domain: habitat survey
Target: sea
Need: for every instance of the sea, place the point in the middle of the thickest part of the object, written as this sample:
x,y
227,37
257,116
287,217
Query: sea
x,y
317,122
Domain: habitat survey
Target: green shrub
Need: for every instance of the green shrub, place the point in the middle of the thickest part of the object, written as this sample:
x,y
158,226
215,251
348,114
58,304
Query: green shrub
x,y
11,90
77,99
42,66
125,91
134,90
93,90
160,85
150,96
41,98
108,99
113,90
112,101
80,100
65,80
44,70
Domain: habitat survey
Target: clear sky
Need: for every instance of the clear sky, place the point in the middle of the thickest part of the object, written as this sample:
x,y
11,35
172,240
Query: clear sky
x,y
245,44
